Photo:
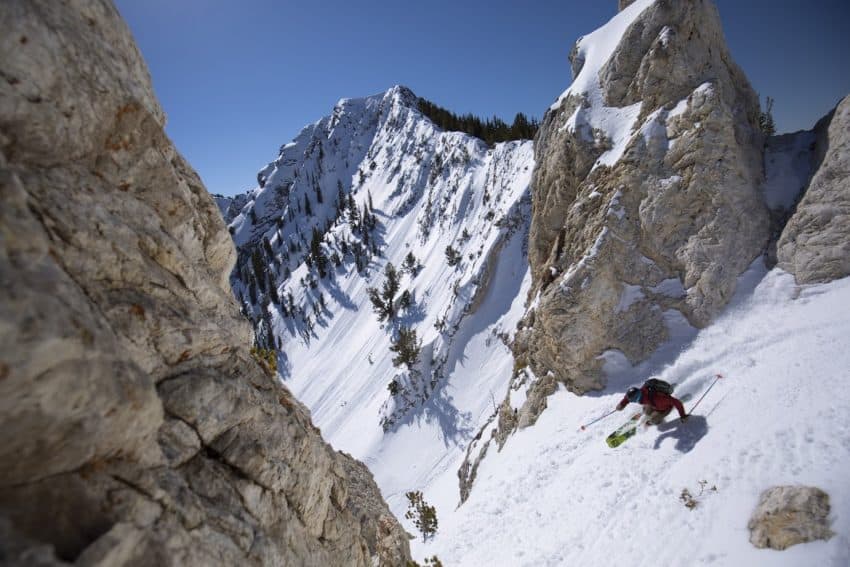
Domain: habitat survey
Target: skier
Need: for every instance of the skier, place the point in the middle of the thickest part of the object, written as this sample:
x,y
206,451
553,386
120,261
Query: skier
x,y
656,403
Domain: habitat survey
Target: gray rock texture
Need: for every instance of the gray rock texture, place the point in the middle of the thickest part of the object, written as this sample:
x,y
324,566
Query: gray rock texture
x,y
788,515
664,231
140,430
815,244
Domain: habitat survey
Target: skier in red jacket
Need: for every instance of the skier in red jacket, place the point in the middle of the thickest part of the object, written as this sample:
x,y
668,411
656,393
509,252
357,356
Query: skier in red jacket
x,y
656,404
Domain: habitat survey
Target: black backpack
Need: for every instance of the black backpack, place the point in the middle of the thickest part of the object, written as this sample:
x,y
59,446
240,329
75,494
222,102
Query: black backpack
x,y
655,385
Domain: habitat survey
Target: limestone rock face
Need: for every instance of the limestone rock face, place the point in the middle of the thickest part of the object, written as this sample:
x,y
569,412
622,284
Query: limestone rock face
x,y
647,200
815,244
788,515
139,428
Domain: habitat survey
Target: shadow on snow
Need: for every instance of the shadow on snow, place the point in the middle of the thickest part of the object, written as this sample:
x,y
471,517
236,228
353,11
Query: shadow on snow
x,y
687,434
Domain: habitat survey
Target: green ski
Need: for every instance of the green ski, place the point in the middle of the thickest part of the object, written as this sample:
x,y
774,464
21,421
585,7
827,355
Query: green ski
x,y
625,431
630,428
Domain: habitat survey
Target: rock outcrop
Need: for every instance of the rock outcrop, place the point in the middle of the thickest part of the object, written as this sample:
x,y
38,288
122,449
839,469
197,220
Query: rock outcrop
x,y
647,201
140,430
788,515
815,244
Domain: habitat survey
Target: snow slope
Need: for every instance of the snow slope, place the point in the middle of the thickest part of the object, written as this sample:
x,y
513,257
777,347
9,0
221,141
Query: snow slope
x,y
781,415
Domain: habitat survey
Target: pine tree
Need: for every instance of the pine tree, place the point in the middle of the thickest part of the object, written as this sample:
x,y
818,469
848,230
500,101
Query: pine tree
x,y
453,257
393,387
358,256
411,264
259,269
406,300
308,210
424,516
317,254
273,290
353,214
766,119
383,302
390,288
407,348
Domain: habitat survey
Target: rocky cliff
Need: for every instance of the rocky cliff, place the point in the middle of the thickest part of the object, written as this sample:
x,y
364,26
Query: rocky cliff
x,y
653,191
140,430
815,244
647,202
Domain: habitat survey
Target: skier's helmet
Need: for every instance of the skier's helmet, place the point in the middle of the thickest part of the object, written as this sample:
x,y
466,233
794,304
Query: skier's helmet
x,y
633,395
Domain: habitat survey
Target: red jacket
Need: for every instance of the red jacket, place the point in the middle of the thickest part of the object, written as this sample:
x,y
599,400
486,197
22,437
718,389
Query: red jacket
x,y
658,401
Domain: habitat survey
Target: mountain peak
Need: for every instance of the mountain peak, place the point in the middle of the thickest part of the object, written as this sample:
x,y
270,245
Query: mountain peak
x,y
402,95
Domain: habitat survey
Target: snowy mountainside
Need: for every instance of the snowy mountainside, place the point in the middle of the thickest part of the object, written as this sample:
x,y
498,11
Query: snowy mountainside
x,y
556,495
377,183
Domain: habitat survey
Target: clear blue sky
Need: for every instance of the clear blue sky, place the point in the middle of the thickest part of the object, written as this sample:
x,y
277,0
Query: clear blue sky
x,y
239,78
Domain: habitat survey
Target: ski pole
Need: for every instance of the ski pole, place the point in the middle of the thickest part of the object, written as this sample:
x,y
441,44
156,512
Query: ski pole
x,y
583,427
719,376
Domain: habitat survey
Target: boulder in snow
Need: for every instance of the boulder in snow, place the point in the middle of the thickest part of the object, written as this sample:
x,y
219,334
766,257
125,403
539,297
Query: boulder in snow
x,y
788,515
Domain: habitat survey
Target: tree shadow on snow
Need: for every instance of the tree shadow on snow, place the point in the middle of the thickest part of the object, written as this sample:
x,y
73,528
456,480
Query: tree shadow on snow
x,y
284,367
455,426
342,298
412,315
687,434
